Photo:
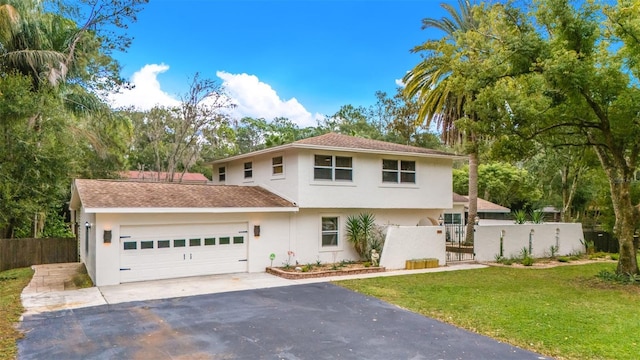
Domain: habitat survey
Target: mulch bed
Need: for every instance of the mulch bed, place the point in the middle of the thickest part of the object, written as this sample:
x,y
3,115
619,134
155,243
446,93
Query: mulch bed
x,y
353,269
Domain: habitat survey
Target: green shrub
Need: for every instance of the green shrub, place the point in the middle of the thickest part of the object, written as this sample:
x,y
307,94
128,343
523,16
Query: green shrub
x,y
519,216
528,261
614,256
564,259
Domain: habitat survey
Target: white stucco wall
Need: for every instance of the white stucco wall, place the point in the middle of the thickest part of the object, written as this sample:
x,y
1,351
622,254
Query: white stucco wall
x,y
275,237
432,189
516,237
306,225
412,242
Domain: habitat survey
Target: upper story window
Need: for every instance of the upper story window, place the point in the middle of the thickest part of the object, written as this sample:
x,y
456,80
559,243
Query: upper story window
x,y
277,165
248,170
222,173
330,167
398,171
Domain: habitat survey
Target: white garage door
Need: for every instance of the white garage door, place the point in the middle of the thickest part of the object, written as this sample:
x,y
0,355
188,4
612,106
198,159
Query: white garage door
x,y
169,251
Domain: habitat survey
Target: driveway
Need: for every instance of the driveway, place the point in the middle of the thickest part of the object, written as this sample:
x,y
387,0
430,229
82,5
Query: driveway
x,y
312,321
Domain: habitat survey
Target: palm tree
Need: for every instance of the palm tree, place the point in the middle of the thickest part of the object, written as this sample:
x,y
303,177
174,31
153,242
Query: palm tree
x,y
440,101
25,45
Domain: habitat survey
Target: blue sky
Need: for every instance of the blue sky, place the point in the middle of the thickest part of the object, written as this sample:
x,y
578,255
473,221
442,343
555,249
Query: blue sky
x,y
296,58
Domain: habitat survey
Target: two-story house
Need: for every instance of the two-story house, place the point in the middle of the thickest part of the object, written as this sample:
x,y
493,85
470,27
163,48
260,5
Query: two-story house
x,y
289,201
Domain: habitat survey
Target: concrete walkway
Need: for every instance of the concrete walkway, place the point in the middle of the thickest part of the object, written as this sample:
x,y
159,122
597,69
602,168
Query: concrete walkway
x,y
46,291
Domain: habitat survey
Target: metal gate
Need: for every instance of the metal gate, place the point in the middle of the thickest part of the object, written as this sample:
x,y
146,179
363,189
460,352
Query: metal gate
x,y
457,250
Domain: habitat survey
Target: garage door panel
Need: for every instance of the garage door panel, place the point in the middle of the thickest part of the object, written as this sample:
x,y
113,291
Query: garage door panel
x,y
168,251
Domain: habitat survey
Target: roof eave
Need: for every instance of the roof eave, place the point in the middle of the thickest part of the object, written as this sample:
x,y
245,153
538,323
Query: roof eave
x,y
216,210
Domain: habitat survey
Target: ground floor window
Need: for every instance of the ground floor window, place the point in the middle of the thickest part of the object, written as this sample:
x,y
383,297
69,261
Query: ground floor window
x,y
330,231
453,218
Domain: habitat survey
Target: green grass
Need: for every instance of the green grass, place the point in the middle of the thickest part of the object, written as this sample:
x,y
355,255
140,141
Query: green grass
x,y
563,312
11,284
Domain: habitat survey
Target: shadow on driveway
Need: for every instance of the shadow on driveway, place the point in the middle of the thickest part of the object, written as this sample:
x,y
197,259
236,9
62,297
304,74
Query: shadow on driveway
x,y
314,321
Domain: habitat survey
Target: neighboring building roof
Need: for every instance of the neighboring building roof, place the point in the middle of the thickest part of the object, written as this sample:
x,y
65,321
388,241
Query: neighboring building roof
x,y
551,210
163,176
483,205
457,198
339,142
101,195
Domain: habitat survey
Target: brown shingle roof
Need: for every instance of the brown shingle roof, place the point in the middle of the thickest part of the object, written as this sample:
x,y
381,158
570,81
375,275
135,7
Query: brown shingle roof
x,y
339,142
483,205
126,194
353,142
162,176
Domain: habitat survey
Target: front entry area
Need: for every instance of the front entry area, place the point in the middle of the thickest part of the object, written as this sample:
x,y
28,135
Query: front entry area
x,y
153,252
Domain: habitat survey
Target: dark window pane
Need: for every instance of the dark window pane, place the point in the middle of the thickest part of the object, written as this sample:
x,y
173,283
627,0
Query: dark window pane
x,y
164,244
278,170
389,164
408,165
323,160
238,239
330,239
343,174
329,224
179,243
248,170
194,242
408,177
224,240
222,177
130,245
146,244
209,241
322,174
389,176
343,162
276,160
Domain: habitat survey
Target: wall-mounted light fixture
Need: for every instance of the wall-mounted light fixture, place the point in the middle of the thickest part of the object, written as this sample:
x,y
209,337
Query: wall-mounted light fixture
x,y
87,227
256,230
440,220
106,237
476,220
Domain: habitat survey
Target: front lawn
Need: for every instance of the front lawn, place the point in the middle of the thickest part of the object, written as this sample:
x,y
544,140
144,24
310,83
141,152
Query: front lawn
x,y
11,284
563,312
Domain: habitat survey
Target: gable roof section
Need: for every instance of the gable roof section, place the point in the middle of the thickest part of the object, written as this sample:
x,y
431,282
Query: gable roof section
x,y
339,142
109,196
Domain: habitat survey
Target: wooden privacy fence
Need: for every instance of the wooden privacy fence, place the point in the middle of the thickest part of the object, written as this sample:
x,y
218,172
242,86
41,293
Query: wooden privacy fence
x,y
16,253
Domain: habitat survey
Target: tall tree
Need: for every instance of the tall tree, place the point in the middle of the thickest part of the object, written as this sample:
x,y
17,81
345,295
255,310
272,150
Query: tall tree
x,y
171,139
578,82
439,98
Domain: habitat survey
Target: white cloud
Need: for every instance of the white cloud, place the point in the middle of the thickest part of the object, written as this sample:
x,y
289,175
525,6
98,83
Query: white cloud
x,y
146,92
252,97
257,99
399,83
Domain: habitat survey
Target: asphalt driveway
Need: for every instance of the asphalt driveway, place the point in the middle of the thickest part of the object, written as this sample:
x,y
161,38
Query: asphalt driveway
x,y
313,321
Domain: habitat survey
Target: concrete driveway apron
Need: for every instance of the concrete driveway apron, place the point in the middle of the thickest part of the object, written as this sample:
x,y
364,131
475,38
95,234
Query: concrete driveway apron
x,y
312,321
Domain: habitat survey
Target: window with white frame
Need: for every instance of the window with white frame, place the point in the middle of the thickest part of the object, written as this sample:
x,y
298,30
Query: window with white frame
x,y
277,165
248,170
330,232
398,171
222,173
331,167
454,218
